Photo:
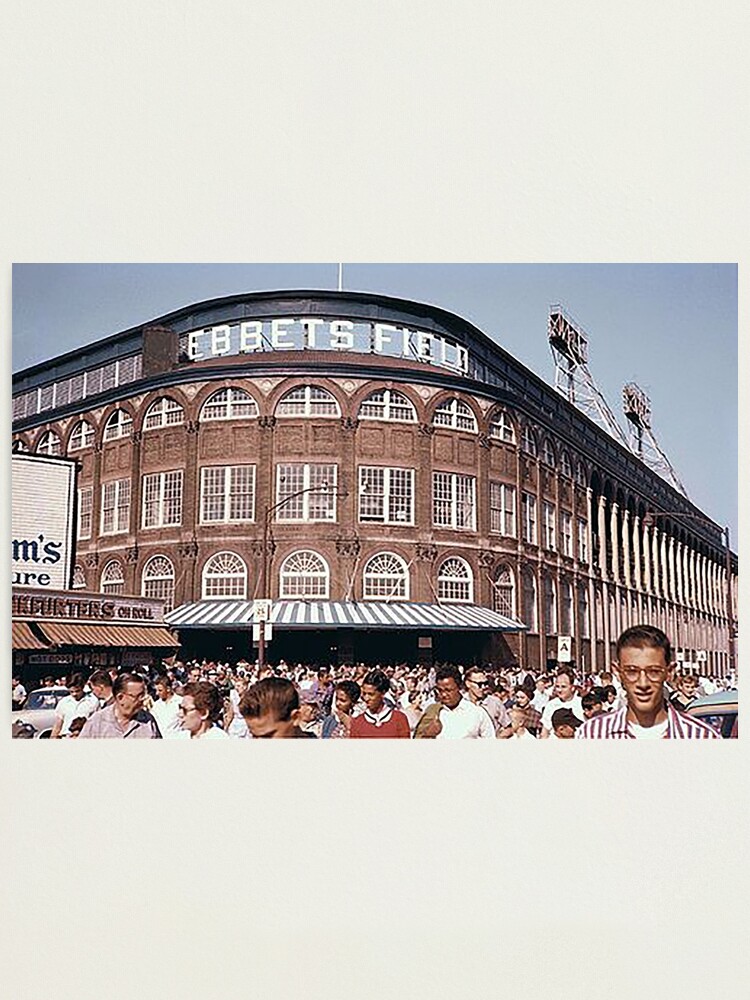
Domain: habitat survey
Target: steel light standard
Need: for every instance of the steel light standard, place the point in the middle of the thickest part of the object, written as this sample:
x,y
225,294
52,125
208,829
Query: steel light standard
x,y
652,515
324,490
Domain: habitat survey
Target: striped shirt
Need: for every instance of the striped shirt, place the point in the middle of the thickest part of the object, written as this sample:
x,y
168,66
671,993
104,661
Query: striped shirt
x,y
614,726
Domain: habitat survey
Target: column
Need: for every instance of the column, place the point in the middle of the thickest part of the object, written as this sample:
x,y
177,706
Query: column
x,y
680,589
602,538
656,576
637,575
693,580
647,584
672,571
626,547
664,569
614,536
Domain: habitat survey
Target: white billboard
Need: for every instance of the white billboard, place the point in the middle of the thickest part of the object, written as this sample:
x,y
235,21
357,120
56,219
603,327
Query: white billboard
x,y
43,501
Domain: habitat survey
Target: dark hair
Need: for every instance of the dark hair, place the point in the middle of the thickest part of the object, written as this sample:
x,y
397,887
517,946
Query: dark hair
x,y
567,672
447,672
601,692
273,695
165,680
77,724
610,688
378,680
645,635
76,681
206,697
123,679
351,689
100,677
590,699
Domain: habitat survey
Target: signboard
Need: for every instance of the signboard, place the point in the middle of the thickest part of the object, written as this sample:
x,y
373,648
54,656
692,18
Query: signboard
x,y
261,610
564,648
268,631
701,656
314,334
43,511
61,605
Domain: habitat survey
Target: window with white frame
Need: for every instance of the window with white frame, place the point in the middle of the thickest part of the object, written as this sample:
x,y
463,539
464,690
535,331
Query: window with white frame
x,y
548,452
82,436
306,492
386,578
49,444
457,414
528,518
528,589
583,611
224,575
566,533
566,608
504,591
550,606
115,514
454,501
79,577
227,494
162,499
583,540
528,441
455,582
501,428
565,467
304,575
503,509
388,404
386,495
113,581
229,404
165,412
157,580
308,401
119,425
85,506
549,526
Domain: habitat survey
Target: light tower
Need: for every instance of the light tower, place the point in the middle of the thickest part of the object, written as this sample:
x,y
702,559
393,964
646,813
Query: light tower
x,y
569,346
637,409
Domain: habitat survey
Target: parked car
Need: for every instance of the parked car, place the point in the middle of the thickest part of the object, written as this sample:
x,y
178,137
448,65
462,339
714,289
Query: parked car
x,y
39,710
718,710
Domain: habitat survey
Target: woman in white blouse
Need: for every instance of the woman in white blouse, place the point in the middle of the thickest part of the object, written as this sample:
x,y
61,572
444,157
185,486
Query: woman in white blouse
x,y
200,710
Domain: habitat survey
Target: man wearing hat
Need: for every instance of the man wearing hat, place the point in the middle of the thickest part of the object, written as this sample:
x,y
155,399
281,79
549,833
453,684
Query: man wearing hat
x,y
565,723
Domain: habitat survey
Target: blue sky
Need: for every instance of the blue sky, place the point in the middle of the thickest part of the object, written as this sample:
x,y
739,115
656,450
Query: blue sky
x,y
672,328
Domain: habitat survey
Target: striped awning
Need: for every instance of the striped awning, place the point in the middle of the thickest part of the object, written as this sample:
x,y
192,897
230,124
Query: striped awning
x,y
218,614
22,637
129,636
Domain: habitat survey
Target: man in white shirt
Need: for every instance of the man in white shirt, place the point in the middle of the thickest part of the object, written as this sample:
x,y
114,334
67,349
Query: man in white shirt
x,y
458,717
477,687
76,704
565,697
166,708
541,695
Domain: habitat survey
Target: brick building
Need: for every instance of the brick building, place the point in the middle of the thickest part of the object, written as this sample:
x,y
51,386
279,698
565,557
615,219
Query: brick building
x,y
338,451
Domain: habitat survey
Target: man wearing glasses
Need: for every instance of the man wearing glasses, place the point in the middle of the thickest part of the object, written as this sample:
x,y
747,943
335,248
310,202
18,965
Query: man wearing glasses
x,y
478,688
125,717
644,664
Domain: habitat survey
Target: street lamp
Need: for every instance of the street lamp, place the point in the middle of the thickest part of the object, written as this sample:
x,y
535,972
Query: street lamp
x,y
322,489
651,516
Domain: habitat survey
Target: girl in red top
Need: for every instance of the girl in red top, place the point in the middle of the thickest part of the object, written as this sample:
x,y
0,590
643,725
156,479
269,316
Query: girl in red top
x,y
380,720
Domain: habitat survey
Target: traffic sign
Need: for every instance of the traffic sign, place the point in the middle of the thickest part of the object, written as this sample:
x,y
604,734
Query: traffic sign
x,y
268,631
564,648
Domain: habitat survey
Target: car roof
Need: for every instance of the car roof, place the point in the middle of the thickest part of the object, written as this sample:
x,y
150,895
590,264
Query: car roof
x,y
720,698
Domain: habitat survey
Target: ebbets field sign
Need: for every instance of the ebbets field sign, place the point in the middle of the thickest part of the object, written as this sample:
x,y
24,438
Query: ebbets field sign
x,y
43,512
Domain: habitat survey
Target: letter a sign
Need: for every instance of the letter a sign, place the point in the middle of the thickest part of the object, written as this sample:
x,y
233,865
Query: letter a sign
x,y
564,648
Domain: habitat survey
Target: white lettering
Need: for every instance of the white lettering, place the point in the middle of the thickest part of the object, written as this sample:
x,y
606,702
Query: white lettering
x,y
310,331
193,352
383,335
342,335
250,337
424,344
463,360
220,341
278,329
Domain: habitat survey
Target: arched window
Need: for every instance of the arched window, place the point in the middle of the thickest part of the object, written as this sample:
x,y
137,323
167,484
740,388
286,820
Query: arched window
x,y
308,401
229,404
504,591
157,580
82,436
528,581
565,467
119,425
548,452
49,444
528,441
113,582
165,412
304,575
501,428
566,608
580,474
550,606
455,582
386,578
387,404
19,446
79,577
456,414
224,575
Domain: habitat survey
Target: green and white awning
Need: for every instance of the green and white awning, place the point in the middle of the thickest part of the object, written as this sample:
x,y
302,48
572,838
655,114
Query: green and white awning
x,y
220,614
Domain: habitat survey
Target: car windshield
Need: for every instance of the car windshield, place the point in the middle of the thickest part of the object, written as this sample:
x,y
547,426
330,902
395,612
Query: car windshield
x,y
43,699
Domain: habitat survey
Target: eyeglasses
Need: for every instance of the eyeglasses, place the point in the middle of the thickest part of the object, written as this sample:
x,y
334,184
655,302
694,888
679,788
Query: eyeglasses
x,y
633,674
481,684
185,711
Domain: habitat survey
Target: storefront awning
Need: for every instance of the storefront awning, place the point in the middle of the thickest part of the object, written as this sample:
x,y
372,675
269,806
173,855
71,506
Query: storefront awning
x,y
219,614
131,636
23,638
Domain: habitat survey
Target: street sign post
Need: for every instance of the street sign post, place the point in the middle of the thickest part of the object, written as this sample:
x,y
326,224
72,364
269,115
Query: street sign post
x,y
261,611
267,633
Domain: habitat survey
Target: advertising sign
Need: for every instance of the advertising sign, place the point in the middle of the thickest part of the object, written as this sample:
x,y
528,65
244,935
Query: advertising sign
x,y
564,648
43,511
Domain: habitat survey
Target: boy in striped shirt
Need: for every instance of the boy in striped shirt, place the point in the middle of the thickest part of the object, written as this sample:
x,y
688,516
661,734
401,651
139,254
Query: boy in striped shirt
x,y
643,664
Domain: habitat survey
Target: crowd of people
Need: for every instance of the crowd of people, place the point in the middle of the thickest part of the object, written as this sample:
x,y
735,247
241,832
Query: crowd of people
x,y
640,697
